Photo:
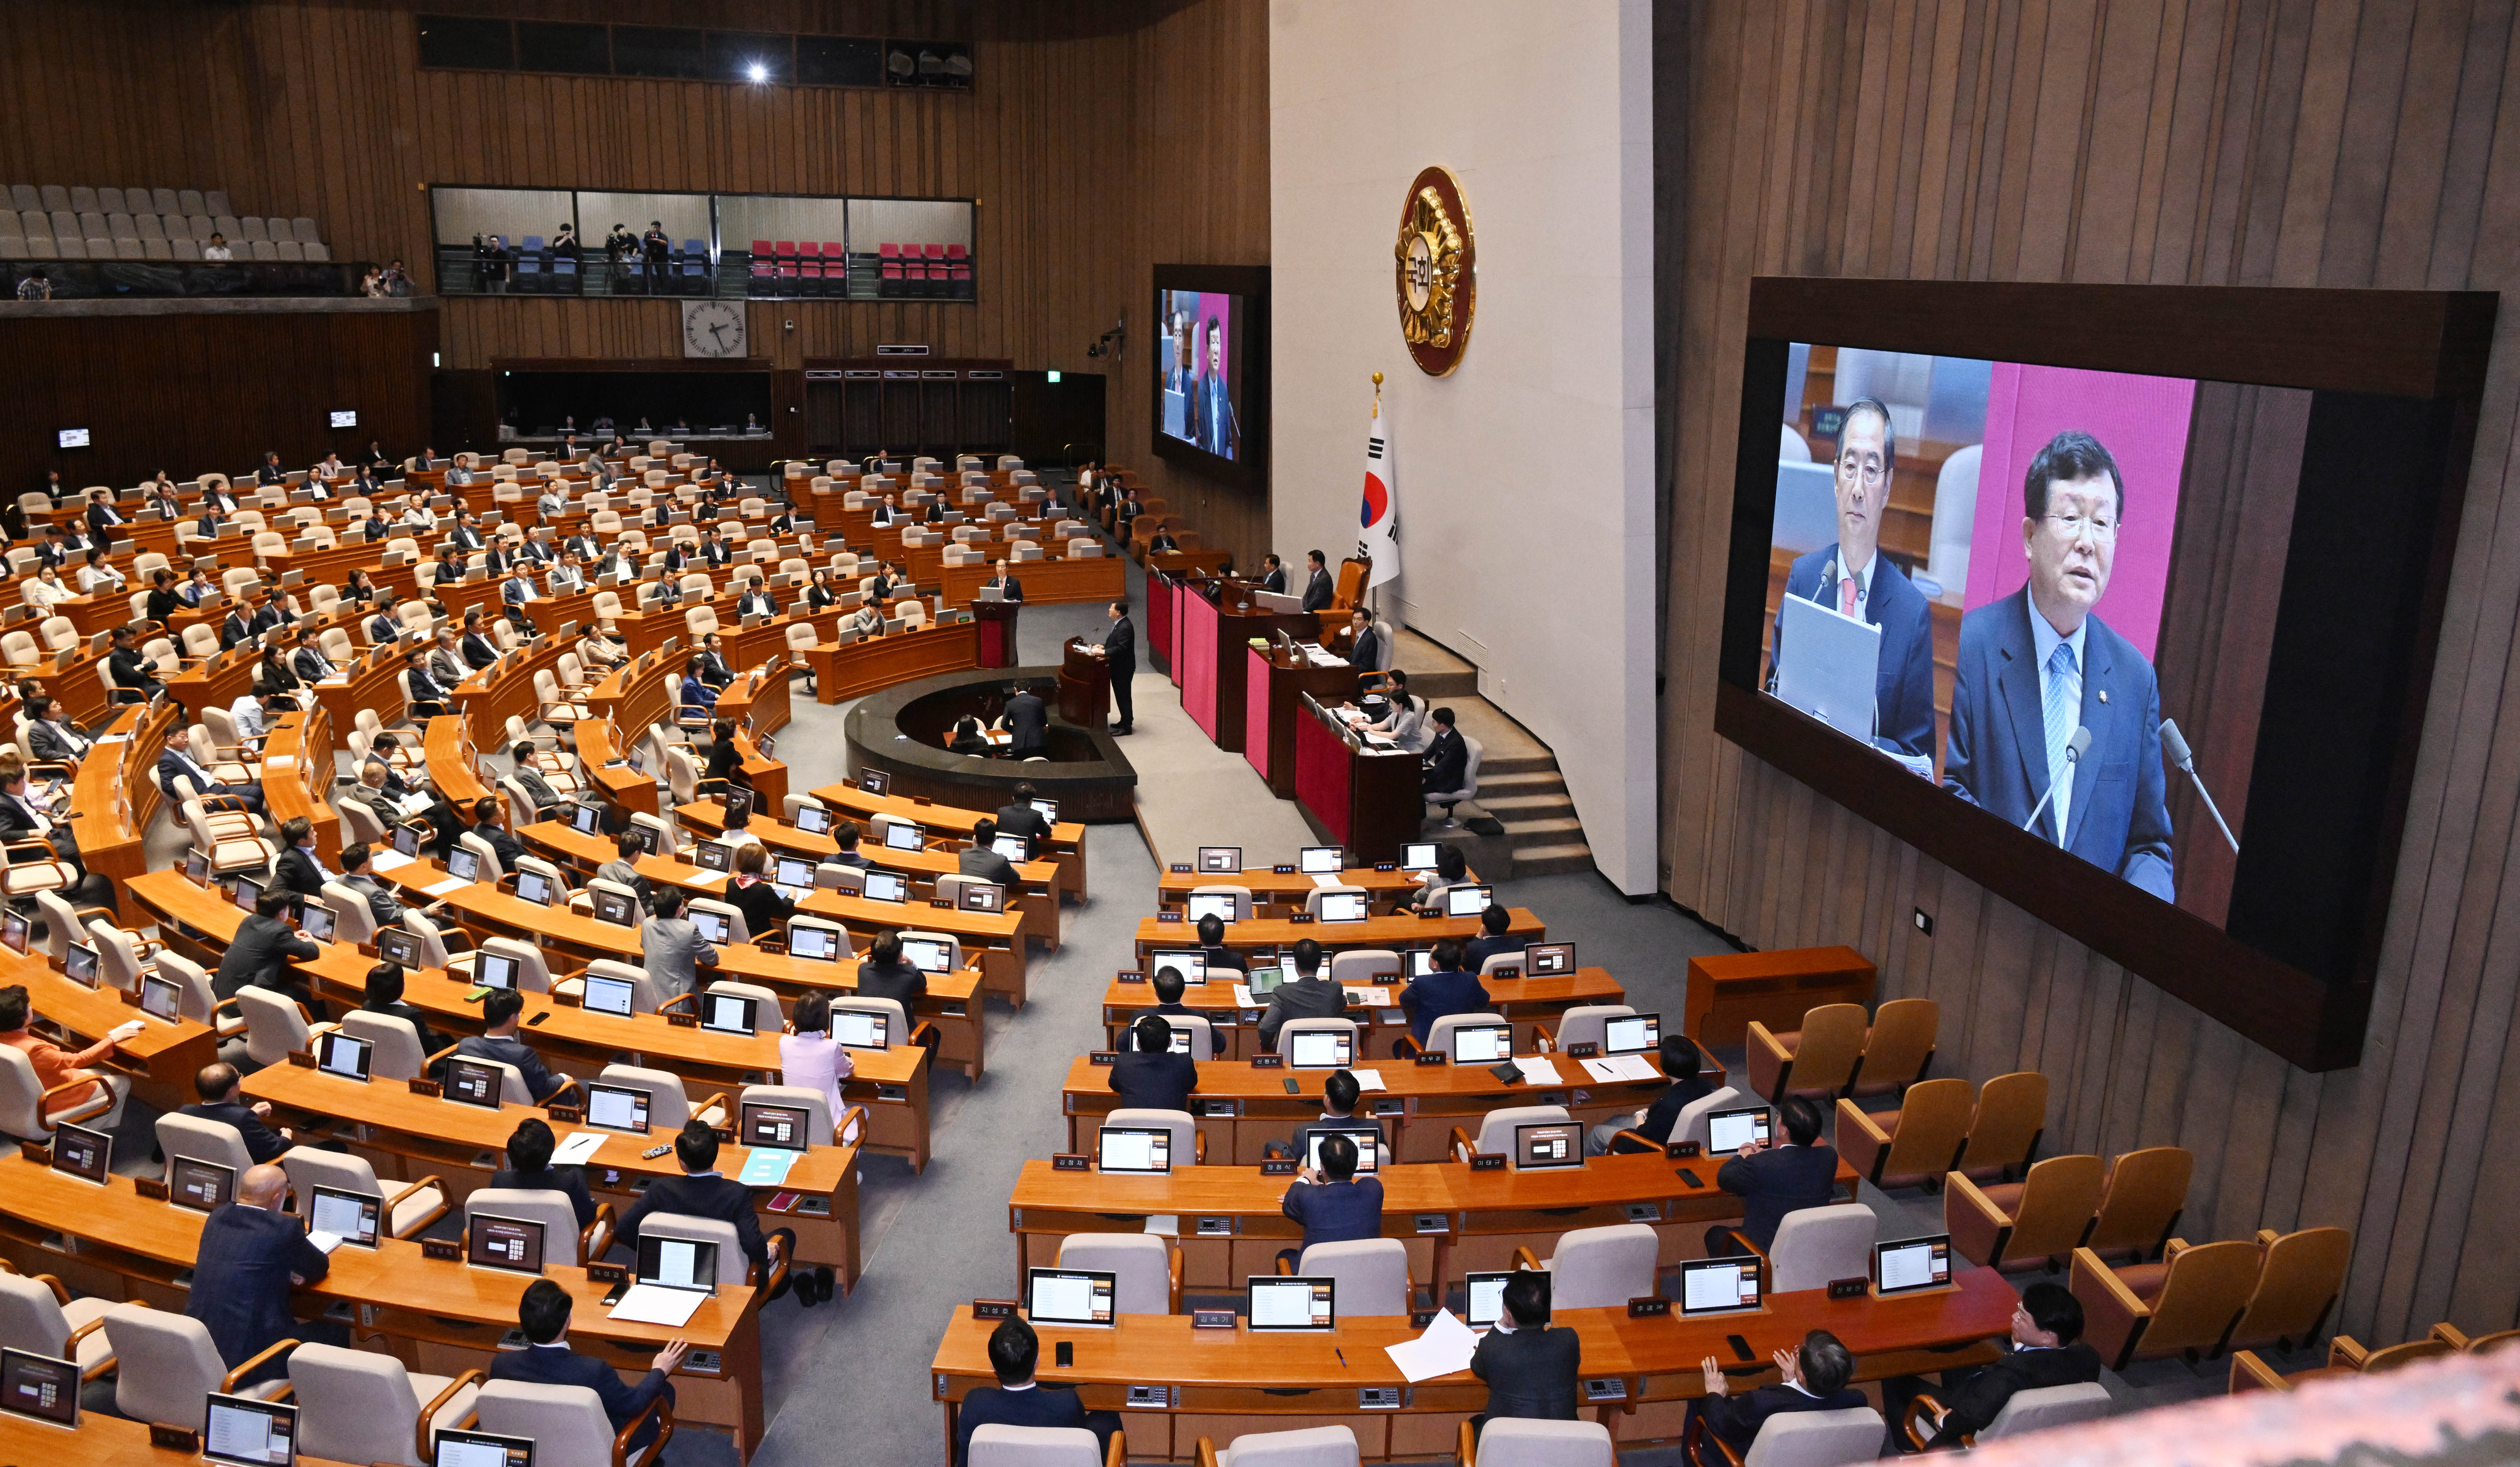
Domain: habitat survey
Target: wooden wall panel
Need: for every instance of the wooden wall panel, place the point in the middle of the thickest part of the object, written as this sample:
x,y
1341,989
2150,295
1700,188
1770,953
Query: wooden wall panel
x,y
2232,142
1103,137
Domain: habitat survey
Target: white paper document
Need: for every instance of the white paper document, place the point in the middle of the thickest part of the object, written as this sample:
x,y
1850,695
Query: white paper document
x,y
1244,998
1327,879
324,1242
1445,1348
441,888
1617,1068
653,1304
1368,1081
1536,1070
578,1149
388,859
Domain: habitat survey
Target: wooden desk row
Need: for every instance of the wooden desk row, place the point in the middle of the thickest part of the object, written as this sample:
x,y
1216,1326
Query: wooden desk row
x,y
161,1058
1042,882
1532,1004
440,1317
113,798
1396,933
1066,843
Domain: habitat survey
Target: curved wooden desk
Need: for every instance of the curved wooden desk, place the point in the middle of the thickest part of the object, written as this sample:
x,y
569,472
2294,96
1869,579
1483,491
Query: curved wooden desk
x,y
297,773
1066,843
114,798
1530,1003
861,667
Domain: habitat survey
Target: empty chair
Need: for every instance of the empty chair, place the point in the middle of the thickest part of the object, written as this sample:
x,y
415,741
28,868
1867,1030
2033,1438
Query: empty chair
x,y
1363,965
2011,1117
2188,1303
2299,1277
2036,1409
1186,1140
411,1210
39,1314
1898,1047
563,1243
996,1446
1439,1035
2140,1201
668,1107
1798,1439
1371,1275
1817,1244
1147,1268
1311,1447
1816,1060
567,1424
1522,1441
166,1365
1598,1267
1913,1145
1496,1127
2028,1223
361,1406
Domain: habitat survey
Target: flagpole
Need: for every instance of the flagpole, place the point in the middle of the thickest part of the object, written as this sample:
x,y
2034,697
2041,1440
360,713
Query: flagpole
x,y
1376,591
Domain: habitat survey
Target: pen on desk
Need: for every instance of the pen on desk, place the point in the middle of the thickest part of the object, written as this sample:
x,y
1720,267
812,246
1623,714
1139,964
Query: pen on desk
x,y
1342,1354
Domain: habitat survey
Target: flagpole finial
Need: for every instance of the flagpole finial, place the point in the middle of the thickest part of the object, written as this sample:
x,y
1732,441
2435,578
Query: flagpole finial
x,y
1378,380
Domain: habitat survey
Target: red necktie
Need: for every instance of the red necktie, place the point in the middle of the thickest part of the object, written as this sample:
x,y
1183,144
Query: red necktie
x,y
1846,594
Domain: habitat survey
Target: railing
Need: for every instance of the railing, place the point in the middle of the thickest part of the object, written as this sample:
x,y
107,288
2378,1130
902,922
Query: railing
x,y
124,280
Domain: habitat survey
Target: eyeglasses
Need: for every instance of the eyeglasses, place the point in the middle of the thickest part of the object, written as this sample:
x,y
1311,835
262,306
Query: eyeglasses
x,y
1873,470
2101,527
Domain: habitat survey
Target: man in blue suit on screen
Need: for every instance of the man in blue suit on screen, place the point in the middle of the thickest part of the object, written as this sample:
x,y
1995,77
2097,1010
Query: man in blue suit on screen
x,y
2038,666
1854,578
1211,408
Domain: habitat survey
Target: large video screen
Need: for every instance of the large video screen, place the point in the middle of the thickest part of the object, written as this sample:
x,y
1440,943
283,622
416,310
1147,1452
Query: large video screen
x,y
2119,602
1201,393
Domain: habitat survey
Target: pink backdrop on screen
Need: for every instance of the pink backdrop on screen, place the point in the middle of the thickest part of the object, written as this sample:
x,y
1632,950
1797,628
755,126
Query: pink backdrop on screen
x,y
2142,421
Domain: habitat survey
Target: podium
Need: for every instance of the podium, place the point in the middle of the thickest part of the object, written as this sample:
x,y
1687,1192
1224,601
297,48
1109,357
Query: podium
x,y
996,621
1366,800
1084,686
1274,687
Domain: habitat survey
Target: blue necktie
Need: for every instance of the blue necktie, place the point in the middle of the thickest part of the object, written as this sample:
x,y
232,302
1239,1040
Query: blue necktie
x,y
2063,715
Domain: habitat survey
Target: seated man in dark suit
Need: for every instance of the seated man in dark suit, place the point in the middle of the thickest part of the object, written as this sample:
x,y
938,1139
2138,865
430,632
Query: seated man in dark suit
x,y
1017,816
1307,992
1169,988
702,1192
490,822
1340,1094
498,1040
981,861
547,1361
259,953
1774,1179
1681,1062
216,1085
177,761
530,1169
885,974
1491,939
1446,989
1211,940
251,1255
1150,1077
1815,1379
845,835
299,870
1530,1368
1447,760
1014,1350
2048,1350
1332,1204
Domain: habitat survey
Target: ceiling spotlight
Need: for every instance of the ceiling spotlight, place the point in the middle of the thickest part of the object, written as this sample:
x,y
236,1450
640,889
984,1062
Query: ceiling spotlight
x,y
757,71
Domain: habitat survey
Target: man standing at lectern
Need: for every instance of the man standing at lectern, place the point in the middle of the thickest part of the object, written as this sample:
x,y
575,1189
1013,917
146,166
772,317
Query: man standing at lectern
x,y
1855,578
2038,666
1121,655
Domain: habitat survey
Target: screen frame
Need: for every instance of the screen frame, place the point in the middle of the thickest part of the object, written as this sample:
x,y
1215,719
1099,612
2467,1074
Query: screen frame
x,y
1108,1275
104,1155
71,1366
643,1105
460,1438
1282,1281
277,1410
1248,365
649,1244
1681,1298
472,1243
1951,1273
369,1202
177,1195
1102,1143
2428,347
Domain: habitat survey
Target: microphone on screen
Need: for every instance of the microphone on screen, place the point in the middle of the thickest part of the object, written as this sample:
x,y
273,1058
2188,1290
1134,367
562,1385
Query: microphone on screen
x,y
2175,744
2075,745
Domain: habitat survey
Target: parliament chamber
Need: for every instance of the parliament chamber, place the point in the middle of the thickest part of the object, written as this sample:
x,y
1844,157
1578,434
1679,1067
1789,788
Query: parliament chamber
x,y
833,733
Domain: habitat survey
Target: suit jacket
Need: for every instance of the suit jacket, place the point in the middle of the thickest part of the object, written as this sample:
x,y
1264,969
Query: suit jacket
x,y
235,628
1009,586
172,766
988,865
1983,1394
674,952
1335,1212
101,524
422,688
903,982
756,602
430,1041
18,819
1019,819
131,670
503,841
297,872
1301,998
1781,1179
1903,688
1482,947
1530,1373
381,905
557,1365
1153,1082
764,906
446,668
1737,1419
49,741
995,1405
708,1195
1447,762
1997,758
261,1142
310,663
1664,1113
1436,994
1215,1036
1275,581
240,1278
1319,591
537,788
540,1082
1368,651
1120,644
479,651
570,1181
259,954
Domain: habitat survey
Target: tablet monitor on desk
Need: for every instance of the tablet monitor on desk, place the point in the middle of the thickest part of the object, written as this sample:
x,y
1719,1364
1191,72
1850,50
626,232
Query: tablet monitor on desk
x,y
617,997
616,908
1015,848
1192,965
1548,960
1367,1140
1221,860
1911,1264
345,1056
248,1433
1632,1033
1178,1041
1264,981
406,841
678,1264
474,1081
728,1013
1141,1150
197,868
85,1154
1049,810
1218,905
1290,1303
315,921
814,820
514,1244
162,997
39,1388
1466,901
1322,860
712,856
462,1449
1320,1049
248,893
351,1216
204,1186
495,970
464,863
793,871
1418,856
1546,1145
1342,907
927,955
1077,1297
983,896
649,837
616,1107
814,942
399,946
737,803
901,835
861,1029
1483,1043
1486,1293
781,1128
79,963
874,782
712,926
535,887
586,819
1728,1130
1421,962
13,932
887,886
1719,1285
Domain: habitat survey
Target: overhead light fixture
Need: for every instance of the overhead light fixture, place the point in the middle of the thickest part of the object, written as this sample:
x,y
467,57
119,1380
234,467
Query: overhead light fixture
x,y
757,71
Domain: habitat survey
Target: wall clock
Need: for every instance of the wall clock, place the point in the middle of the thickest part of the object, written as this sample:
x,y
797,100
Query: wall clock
x,y
1435,272
713,329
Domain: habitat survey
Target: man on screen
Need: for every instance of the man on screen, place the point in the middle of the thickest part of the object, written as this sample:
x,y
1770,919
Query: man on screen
x,y
2038,665
1855,578
1212,412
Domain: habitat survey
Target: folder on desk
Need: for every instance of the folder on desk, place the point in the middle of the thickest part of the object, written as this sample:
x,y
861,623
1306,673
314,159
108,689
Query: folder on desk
x,y
654,1303
767,1166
